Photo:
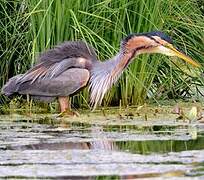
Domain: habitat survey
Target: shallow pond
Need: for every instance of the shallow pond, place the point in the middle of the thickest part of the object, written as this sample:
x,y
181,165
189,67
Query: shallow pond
x,y
100,147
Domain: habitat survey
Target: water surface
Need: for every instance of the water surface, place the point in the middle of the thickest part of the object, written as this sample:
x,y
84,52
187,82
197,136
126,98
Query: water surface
x,y
42,146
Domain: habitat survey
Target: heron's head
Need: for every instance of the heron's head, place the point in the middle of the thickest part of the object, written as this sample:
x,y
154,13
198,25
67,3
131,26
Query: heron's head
x,y
153,42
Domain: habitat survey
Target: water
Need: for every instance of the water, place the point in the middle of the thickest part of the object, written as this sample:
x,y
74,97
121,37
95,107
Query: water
x,y
43,147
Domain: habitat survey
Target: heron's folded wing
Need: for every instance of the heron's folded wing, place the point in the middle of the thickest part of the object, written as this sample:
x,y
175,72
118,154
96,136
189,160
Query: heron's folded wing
x,y
65,84
49,69
55,61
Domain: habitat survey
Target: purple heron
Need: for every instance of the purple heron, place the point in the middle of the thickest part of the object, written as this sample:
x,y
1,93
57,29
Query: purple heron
x,y
69,67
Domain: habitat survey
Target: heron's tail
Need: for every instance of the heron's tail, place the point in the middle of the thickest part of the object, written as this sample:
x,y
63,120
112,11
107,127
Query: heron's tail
x,y
11,86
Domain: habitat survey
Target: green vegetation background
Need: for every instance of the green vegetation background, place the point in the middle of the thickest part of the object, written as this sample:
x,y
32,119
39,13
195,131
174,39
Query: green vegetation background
x,y
28,27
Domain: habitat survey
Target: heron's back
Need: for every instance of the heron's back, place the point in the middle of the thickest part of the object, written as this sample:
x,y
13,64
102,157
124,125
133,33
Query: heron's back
x,y
69,49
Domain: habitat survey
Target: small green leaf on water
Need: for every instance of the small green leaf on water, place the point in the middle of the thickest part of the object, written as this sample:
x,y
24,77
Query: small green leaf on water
x,y
139,108
192,114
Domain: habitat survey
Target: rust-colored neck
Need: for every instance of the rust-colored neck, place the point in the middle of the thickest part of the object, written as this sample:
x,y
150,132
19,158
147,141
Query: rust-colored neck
x,y
122,62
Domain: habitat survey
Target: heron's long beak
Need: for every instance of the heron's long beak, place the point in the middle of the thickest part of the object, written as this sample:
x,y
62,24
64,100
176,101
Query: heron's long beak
x,y
181,55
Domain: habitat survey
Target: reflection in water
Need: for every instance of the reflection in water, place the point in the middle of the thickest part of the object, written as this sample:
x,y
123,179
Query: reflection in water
x,y
47,152
100,143
153,146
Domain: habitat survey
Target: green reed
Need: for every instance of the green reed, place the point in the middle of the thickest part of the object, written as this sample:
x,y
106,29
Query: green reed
x,y
32,26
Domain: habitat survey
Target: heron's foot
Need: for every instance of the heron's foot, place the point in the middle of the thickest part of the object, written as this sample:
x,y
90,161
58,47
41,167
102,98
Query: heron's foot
x,y
68,113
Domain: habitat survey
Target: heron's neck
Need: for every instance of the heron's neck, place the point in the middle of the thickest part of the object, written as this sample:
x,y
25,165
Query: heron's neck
x,y
105,74
118,63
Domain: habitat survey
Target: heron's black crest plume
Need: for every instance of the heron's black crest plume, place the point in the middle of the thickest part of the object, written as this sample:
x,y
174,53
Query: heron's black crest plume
x,y
149,35
161,35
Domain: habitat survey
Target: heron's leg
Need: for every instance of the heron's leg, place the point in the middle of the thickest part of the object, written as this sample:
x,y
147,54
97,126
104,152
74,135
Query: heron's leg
x,y
65,107
64,104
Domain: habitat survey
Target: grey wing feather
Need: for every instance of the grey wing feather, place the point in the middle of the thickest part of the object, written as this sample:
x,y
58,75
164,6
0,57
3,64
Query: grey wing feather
x,y
55,61
65,84
49,70
57,68
69,49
